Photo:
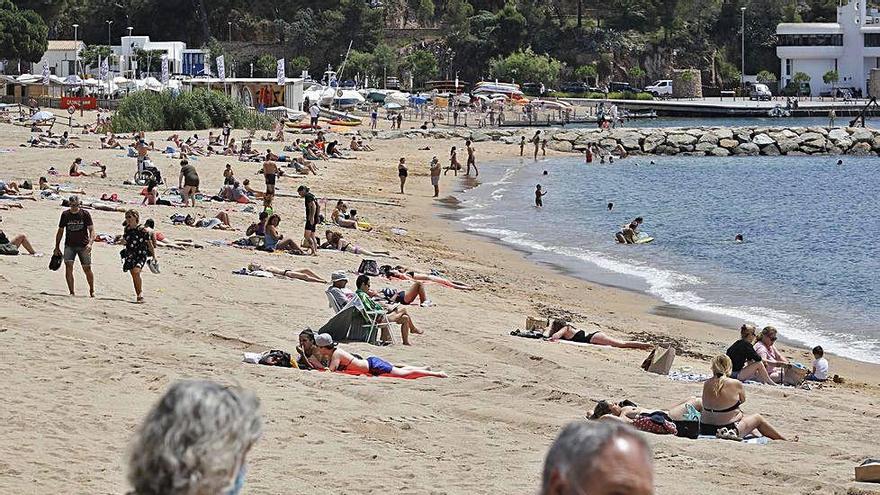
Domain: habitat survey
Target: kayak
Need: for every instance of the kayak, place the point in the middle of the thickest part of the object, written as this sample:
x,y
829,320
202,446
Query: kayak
x,y
345,122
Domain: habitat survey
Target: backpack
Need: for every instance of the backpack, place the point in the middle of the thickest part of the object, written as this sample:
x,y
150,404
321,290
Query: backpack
x,y
369,267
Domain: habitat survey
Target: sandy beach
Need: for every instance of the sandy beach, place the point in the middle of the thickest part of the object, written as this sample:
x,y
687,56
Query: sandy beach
x,y
81,373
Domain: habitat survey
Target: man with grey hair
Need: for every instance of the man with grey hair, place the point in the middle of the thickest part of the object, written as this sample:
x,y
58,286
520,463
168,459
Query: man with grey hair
x,y
195,441
78,231
598,458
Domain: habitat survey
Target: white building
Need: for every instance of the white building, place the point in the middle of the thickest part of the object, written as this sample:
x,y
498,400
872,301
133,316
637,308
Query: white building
x,y
181,60
60,57
850,46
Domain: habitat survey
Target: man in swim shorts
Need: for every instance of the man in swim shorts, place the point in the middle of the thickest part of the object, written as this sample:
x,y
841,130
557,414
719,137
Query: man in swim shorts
x,y
312,216
270,172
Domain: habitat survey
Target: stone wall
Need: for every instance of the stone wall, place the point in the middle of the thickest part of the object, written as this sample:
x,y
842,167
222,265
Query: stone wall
x,y
687,83
697,141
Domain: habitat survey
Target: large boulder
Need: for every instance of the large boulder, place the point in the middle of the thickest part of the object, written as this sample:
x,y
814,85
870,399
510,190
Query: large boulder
x,y
566,136
862,136
861,149
665,149
652,141
838,133
564,146
681,139
704,146
814,145
762,139
770,150
609,143
723,133
479,136
709,137
810,136
631,141
728,143
719,151
843,143
750,149
786,146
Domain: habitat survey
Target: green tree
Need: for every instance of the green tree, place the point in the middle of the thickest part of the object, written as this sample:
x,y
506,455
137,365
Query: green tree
x,y
23,34
386,60
800,77
149,60
586,73
90,54
637,74
766,77
266,65
297,64
362,64
457,17
422,64
527,66
831,77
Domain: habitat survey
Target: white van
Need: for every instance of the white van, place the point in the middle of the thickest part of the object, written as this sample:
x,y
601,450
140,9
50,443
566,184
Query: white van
x,y
663,87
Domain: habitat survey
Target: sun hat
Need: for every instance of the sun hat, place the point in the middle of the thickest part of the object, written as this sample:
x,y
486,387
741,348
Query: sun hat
x,y
338,276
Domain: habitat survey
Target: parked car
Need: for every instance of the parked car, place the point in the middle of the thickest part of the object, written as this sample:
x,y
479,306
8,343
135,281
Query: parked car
x,y
621,87
760,92
575,87
663,87
794,89
531,89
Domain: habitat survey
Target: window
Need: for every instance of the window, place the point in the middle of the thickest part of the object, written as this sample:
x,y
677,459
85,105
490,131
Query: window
x,y
810,40
872,39
788,70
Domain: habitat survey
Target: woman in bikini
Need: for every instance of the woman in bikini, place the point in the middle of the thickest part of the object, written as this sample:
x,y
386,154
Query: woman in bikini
x,y
562,330
349,363
308,352
303,274
627,411
403,273
274,241
722,398
334,240
454,165
340,217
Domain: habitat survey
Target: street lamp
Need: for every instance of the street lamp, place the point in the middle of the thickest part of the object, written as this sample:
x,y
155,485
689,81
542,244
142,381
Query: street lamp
x,y
108,32
742,74
130,29
75,31
229,36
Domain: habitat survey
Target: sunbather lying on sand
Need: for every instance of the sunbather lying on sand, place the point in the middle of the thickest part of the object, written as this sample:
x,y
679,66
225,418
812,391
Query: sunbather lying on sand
x,y
334,240
562,330
303,274
159,239
340,360
403,273
627,411
308,352
220,222
45,186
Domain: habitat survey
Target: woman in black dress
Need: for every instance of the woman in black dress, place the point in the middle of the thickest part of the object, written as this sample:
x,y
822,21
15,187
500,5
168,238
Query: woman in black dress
x,y
402,172
138,248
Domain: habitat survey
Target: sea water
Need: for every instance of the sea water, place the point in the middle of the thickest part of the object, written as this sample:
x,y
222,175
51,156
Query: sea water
x,y
808,265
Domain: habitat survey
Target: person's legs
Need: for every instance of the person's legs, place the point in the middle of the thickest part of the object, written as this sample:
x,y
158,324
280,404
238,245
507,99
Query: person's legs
x,y
138,283
402,183
754,422
417,290
90,278
310,275
21,240
410,372
601,338
223,217
755,371
68,275
678,411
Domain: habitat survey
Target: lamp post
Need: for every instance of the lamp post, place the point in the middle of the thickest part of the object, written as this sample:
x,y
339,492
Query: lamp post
x,y
76,56
742,74
108,32
229,35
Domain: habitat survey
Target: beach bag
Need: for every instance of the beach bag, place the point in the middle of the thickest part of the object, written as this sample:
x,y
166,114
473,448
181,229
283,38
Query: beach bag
x,y
689,425
794,375
659,364
369,267
656,422
280,358
537,323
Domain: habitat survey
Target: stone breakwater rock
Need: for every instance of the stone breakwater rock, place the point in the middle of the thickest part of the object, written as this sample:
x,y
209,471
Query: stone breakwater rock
x,y
691,141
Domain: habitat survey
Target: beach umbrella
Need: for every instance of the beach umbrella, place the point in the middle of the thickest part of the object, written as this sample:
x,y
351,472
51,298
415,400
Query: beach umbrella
x,y
42,115
393,106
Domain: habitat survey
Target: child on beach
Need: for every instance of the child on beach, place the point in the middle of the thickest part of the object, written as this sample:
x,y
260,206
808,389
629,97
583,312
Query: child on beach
x,y
820,366
544,147
539,195
522,145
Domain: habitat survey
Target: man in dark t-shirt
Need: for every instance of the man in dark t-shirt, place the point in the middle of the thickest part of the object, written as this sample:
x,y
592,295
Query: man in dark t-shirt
x,y
78,231
313,210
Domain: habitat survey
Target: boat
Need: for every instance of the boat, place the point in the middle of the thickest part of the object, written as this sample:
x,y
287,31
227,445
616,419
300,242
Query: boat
x,y
508,89
447,86
779,111
344,122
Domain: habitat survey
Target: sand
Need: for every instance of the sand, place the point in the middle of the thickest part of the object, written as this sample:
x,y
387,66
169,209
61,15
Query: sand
x,y
81,373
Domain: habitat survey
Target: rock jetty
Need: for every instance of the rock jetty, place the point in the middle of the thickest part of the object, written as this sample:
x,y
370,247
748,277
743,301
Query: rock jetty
x,y
695,141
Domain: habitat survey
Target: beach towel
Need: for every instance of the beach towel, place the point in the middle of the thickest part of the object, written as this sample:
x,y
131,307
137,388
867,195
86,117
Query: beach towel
x,y
749,439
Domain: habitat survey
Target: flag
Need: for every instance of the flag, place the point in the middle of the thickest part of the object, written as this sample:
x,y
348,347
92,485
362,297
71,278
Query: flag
x,y
165,70
221,68
105,68
46,74
280,72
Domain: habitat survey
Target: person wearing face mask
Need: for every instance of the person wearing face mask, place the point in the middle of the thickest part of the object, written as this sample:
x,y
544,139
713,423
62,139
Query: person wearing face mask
x,y
195,441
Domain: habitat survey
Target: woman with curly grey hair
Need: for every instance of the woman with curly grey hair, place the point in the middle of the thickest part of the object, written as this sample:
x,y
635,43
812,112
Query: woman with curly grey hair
x,y
194,441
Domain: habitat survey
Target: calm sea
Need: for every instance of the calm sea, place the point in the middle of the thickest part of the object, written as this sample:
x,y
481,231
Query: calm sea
x,y
808,266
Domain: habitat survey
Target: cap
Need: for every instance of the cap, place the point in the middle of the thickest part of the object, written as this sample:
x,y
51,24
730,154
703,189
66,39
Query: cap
x,y
324,340
338,276
73,200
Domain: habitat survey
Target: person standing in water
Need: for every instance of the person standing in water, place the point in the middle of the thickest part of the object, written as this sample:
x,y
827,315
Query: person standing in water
x,y
539,195
536,140
435,176
471,159
543,147
522,146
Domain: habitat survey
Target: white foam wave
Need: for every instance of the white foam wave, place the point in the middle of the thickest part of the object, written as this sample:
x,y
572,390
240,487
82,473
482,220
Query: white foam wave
x,y
673,288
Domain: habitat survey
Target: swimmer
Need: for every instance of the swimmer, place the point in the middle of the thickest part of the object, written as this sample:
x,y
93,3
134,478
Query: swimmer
x,y
839,162
610,206
738,238
546,173
539,195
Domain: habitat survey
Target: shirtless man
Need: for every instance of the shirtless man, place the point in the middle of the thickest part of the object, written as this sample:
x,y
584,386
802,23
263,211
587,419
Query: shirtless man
x,y
270,172
340,360
471,159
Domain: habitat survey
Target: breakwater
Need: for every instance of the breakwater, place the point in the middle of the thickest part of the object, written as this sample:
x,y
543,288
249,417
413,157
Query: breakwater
x,y
696,141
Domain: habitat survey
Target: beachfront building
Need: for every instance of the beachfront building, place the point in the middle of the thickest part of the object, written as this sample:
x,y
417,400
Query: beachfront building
x,y
850,46
60,56
181,60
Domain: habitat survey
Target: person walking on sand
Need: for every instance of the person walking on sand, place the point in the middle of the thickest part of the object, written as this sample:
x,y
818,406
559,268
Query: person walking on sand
x,y
402,173
453,162
313,210
188,182
536,140
374,118
539,195
435,175
522,145
471,159
314,112
227,132
270,173
78,231
138,248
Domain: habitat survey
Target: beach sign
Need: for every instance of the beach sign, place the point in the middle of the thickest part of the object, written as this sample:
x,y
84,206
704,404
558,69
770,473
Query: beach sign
x,y
165,70
280,72
46,74
105,68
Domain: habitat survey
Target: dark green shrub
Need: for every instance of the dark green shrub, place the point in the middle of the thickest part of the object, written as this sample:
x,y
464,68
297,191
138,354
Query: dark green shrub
x,y
186,111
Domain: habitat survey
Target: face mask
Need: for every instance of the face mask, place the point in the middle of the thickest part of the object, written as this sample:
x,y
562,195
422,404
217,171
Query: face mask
x,y
239,482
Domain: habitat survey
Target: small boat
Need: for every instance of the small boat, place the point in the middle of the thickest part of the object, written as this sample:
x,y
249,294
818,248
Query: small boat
x,y
779,111
344,122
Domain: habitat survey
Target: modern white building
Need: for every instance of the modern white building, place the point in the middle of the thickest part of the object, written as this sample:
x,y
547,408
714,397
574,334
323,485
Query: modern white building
x,y
181,60
850,46
60,56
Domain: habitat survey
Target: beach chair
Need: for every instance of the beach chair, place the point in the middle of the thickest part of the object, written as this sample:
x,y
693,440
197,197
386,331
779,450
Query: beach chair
x,y
353,322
